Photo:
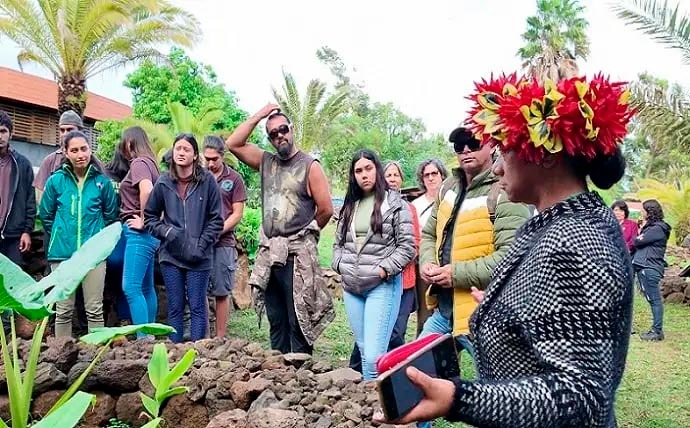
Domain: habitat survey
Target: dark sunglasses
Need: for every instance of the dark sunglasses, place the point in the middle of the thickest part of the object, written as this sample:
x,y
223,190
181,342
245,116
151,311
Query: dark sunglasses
x,y
282,129
473,145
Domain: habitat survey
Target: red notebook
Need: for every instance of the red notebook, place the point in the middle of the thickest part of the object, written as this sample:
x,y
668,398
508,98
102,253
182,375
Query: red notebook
x,y
387,361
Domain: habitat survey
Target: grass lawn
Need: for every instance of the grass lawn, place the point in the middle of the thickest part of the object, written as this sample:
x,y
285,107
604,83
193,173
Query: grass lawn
x,y
655,392
326,245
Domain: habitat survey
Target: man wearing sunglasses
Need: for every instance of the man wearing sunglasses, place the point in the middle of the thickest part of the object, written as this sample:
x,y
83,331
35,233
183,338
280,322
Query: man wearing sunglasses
x,y
296,204
472,225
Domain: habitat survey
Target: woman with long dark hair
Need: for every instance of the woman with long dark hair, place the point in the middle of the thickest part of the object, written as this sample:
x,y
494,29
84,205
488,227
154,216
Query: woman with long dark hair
x,y
140,247
188,200
374,242
649,264
78,202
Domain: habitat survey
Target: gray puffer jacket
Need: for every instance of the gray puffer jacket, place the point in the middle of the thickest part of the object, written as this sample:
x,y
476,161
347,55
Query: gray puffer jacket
x,y
392,250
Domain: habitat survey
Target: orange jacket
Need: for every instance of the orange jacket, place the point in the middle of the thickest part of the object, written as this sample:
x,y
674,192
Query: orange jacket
x,y
409,274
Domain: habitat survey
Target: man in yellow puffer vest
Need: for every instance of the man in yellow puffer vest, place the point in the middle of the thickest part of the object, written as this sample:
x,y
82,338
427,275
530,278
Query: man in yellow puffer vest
x,y
472,225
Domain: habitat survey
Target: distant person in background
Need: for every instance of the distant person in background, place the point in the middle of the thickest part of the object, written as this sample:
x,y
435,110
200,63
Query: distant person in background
x,y
232,197
78,202
141,246
430,175
17,199
188,200
408,302
69,121
649,263
621,211
374,242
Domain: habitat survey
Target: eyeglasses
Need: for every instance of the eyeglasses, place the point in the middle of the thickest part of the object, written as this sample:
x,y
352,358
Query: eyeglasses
x,y
473,145
431,174
282,129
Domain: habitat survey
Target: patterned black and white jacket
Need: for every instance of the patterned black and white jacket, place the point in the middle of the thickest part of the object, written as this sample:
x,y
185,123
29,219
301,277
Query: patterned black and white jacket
x,y
551,335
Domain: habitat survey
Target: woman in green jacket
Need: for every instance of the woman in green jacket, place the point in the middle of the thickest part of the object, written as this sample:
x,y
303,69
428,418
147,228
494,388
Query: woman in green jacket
x,y
78,201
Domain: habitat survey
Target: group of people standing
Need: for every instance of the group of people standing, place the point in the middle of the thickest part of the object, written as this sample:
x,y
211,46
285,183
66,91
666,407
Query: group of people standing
x,y
527,268
186,214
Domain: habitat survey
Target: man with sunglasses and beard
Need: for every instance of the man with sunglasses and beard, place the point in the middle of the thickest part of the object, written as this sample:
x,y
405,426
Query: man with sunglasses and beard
x,y
296,205
472,225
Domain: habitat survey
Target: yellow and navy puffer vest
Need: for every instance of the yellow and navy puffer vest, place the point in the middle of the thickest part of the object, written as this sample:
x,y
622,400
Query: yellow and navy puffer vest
x,y
473,234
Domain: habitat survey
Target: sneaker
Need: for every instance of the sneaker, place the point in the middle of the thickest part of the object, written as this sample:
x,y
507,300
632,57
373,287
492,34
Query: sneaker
x,y
652,335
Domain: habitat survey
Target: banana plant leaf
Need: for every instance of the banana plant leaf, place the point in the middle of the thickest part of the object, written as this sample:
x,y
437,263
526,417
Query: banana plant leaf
x,y
70,413
22,294
101,335
16,298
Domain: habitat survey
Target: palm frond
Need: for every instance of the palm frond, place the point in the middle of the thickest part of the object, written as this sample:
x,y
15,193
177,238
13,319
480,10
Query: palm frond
x,y
662,113
86,37
160,136
21,22
666,24
311,116
311,120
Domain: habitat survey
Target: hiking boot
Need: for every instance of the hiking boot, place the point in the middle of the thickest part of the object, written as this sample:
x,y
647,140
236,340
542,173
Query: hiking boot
x,y
652,335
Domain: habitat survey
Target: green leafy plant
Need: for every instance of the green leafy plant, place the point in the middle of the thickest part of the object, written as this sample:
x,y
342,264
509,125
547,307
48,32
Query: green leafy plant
x,y
116,423
247,232
163,378
36,300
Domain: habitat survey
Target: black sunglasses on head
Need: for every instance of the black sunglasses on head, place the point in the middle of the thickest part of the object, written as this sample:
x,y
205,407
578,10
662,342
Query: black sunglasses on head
x,y
282,129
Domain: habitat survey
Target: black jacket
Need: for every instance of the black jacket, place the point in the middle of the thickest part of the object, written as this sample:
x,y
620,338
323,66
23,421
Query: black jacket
x,y
189,228
22,213
650,246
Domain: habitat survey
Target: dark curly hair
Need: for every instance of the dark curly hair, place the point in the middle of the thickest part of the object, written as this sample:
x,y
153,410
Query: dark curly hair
x,y
654,211
621,205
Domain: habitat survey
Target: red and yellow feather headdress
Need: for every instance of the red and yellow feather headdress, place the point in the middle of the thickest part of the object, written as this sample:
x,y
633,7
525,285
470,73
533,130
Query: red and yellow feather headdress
x,y
579,117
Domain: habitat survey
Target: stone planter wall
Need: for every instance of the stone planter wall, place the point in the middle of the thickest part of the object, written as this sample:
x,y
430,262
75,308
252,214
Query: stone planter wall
x,y
675,289
233,384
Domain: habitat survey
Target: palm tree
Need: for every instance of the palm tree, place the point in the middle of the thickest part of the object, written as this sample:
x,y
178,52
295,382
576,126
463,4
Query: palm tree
x,y
675,198
555,38
182,120
313,115
662,110
77,39
663,115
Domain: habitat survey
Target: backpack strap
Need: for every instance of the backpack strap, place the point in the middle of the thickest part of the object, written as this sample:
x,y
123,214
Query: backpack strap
x,y
492,200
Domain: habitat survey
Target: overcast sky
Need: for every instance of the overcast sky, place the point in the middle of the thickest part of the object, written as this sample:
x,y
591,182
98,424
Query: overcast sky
x,y
421,55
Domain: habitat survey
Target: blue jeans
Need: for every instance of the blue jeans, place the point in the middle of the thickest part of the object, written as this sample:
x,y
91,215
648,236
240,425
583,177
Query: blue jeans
x,y
408,304
137,275
113,278
649,283
437,323
180,285
372,317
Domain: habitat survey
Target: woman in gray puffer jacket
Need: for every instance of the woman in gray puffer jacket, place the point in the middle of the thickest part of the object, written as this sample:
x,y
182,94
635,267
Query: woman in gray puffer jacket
x,y
374,242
